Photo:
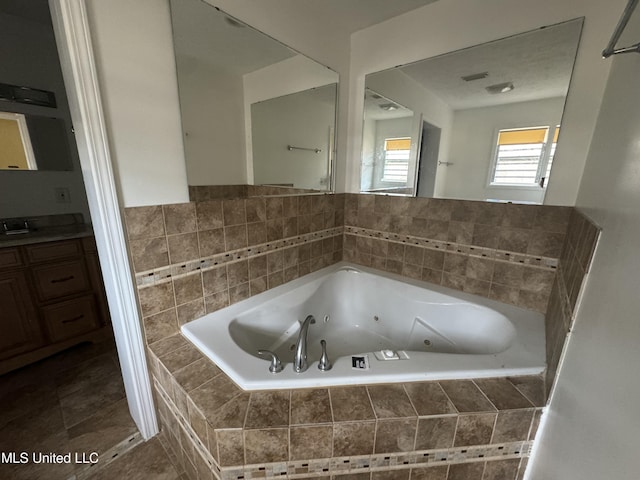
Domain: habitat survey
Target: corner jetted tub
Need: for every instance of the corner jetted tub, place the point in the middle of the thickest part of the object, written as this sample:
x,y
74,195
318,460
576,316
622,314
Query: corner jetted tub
x,y
378,328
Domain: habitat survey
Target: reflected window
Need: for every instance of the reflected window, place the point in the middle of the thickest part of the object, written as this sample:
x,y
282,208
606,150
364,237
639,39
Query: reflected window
x,y
524,156
16,152
396,159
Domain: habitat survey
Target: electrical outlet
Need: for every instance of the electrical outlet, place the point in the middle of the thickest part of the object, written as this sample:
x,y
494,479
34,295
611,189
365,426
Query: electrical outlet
x,y
62,195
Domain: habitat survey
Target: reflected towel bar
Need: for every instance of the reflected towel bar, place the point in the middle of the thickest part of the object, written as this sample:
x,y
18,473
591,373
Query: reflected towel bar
x,y
291,147
617,33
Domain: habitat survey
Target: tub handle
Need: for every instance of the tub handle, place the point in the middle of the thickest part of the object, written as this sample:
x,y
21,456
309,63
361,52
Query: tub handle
x,y
324,364
276,365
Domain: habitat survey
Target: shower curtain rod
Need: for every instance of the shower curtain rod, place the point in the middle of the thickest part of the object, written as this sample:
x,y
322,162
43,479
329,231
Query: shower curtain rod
x,y
624,19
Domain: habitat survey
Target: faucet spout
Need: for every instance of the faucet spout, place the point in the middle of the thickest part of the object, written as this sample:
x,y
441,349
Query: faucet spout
x,y
300,359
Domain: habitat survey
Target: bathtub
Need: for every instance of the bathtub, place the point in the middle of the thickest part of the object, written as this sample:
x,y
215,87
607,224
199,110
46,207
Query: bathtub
x,y
378,328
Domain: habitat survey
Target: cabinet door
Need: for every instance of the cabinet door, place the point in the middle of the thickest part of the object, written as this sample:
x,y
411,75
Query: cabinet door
x,y
19,329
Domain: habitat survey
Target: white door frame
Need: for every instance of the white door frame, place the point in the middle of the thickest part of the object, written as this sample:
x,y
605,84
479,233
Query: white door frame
x,y
71,28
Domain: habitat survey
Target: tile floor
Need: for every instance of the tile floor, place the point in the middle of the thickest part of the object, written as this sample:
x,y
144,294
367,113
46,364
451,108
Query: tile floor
x,y
75,402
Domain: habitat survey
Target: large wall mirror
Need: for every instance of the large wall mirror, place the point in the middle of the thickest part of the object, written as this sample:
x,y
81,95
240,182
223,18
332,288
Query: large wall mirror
x,y
481,123
253,110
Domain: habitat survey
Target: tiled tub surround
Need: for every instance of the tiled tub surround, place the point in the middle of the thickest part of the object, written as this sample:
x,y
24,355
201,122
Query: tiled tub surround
x,y
198,257
502,251
575,262
464,429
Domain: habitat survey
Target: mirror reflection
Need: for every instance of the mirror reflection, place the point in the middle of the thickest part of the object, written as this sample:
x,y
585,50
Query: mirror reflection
x,y
33,142
35,122
486,120
388,153
244,99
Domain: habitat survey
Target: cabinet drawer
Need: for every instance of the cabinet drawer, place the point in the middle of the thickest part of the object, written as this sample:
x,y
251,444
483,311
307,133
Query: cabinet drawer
x,y
71,318
53,250
61,279
10,257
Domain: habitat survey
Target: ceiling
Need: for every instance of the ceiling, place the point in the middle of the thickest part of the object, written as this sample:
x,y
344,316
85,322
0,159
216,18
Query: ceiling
x,y
200,31
539,63
353,15
203,34
373,103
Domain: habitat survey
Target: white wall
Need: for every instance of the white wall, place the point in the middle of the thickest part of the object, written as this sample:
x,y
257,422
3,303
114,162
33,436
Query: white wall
x,y
292,75
134,56
592,428
473,141
309,28
32,60
212,108
136,68
443,27
304,119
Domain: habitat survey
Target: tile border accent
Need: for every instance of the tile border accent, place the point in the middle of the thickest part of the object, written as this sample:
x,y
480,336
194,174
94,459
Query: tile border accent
x,y
109,456
177,270
301,469
547,263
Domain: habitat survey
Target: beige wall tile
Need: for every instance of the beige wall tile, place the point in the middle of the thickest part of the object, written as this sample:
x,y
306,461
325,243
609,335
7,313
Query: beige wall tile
x,y
209,215
179,218
474,429
161,325
353,438
436,432
233,212
397,435
188,288
350,404
311,442
149,253
310,406
512,426
265,446
144,222
156,298
211,242
230,447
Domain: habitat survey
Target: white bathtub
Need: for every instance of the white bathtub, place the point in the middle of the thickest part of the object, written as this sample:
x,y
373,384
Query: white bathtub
x,y
436,332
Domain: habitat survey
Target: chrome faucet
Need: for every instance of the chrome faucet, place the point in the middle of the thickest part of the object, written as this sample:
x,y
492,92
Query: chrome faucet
x,y
300,358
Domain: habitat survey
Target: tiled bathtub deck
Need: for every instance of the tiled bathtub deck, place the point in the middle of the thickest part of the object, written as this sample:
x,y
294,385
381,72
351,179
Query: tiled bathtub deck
x,y
459,429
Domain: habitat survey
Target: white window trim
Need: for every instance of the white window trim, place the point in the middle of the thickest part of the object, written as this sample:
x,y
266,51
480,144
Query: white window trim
x,y
384,163
24,137
494,159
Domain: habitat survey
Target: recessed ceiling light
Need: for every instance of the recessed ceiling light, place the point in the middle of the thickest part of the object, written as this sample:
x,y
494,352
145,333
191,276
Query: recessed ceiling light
x,y
500,88
389,107
475,76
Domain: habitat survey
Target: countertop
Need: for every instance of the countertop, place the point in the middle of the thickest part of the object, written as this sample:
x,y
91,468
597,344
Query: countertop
x,y
47,234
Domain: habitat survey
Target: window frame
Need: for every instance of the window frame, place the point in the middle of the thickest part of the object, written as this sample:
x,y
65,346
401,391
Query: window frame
x,y
384,163
543,160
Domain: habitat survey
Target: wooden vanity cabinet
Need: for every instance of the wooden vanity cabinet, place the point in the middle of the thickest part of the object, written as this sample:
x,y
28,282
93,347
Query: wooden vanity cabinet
x,y
51,297
20,331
